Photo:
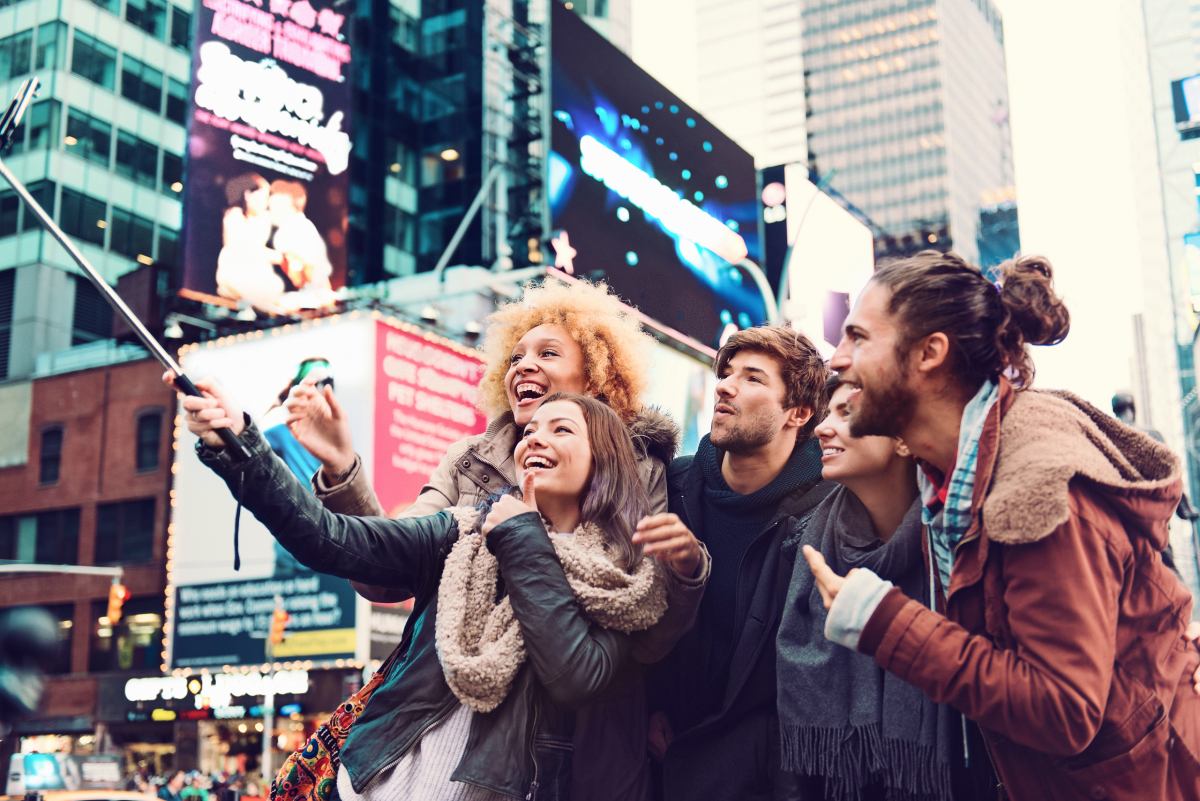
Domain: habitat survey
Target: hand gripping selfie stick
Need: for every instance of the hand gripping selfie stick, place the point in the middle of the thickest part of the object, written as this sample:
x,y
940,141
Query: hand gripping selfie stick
x,y
8,127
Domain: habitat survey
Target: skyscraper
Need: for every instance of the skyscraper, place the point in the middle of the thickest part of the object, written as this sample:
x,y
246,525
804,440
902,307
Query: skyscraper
x,y
101,149
906,115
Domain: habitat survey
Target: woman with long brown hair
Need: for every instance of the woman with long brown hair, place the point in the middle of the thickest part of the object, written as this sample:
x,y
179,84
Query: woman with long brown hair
x,y
523,608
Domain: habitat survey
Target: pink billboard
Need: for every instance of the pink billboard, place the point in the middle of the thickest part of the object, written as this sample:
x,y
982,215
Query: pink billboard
x,y
425,393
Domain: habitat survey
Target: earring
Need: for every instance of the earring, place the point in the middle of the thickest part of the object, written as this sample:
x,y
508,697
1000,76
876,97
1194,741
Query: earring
x,y
902,448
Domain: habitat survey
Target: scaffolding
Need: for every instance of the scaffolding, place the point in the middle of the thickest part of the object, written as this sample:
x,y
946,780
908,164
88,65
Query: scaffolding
x,y
516,111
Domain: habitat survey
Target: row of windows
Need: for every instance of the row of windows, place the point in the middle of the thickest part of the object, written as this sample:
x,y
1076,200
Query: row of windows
x,y
135,643
89,219
140,83
147,442
34,49
127,154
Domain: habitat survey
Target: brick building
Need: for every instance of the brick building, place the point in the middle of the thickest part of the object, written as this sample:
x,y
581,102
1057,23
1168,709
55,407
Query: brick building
x,y
85,476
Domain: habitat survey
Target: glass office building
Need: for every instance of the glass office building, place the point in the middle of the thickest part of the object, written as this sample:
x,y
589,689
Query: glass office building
x,y
907,114
101,149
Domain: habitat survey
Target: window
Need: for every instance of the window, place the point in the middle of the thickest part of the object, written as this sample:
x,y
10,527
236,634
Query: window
x,y
141,84
57,537
92,318
94,60
88,137
149,15
177,101
168,247
111,6
7,285
10,207
135,643
65,615
172,174
149,439
43,193
16,53
124,532
51,44
132,236
83,216
50,455
137,159
43,124
181,29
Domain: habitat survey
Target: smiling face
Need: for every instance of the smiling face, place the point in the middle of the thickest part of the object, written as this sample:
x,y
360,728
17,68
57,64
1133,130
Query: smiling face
x,y
546,360
845,457
868,358
556,449
749,413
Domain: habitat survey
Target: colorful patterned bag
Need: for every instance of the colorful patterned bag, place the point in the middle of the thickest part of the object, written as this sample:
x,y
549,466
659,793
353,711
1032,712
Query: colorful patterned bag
x,y
310,774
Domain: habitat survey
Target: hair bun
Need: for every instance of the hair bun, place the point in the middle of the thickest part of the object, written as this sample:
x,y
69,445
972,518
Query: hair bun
x,y
1035,310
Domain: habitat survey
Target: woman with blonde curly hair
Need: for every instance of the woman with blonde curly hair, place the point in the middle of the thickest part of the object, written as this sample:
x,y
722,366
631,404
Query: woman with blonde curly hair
x,y
556,338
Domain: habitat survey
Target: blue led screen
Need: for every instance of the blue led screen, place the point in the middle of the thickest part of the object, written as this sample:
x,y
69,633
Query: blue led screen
x,y
654,198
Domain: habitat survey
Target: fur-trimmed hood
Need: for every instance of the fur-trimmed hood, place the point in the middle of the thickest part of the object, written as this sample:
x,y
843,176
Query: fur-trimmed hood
x,y
1050,439
655,433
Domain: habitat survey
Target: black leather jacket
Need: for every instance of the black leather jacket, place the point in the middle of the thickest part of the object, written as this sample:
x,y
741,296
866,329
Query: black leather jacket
x,y
521,749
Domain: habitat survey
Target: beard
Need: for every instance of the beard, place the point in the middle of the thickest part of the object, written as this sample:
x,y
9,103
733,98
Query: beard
x,y
886,410
744,435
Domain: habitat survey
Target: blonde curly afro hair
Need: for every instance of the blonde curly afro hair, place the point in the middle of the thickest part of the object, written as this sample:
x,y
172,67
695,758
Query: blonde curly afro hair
x,y
616,352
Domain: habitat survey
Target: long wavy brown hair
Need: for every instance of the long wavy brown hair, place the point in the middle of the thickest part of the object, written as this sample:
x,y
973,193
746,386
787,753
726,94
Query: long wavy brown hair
x,y
614,498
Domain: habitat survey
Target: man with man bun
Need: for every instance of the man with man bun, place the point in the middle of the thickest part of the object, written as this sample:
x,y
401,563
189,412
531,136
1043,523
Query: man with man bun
x,y
1057,627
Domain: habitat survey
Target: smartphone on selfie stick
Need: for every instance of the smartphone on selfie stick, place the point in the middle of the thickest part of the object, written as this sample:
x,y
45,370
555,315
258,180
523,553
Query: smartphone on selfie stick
x,y
9,125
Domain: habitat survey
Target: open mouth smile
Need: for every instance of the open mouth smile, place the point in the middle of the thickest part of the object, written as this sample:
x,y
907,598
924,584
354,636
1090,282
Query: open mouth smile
x,y
538,462
529,391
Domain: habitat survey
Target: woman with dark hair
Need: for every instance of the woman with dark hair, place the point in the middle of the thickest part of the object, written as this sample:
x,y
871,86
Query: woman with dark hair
x,y
1058,629
851,731
523,608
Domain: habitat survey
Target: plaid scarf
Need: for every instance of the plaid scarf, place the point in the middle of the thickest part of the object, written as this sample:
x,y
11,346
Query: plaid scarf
x,y
946,506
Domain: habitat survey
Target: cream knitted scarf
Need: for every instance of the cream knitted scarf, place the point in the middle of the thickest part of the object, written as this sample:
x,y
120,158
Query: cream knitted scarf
x,y
479,641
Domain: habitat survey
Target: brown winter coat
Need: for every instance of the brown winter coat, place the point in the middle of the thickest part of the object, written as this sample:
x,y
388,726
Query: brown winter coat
x,y
1063,632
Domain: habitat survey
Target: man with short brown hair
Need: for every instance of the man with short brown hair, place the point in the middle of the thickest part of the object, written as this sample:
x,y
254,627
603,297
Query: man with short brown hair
x,y
746,494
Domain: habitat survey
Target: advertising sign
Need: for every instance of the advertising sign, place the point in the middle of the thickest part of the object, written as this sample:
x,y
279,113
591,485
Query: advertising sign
x,y
830,256
685,388
653,197
268,152
405,394
1185,97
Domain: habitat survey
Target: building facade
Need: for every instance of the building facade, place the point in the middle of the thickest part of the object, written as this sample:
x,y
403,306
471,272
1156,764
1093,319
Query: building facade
x,y
907,111
101,149
85,481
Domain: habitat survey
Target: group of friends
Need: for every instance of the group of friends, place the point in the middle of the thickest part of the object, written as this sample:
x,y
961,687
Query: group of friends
x,y
903,573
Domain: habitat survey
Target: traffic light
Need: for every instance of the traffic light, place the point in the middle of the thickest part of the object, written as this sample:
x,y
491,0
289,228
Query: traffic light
x,y
279,621
118,594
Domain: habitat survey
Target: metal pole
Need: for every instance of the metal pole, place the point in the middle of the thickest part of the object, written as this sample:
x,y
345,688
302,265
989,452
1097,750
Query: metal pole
x,y
764,288
440,268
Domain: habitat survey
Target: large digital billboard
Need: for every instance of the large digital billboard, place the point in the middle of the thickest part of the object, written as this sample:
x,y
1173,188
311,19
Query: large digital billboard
x,y
652,196
407,395
268,153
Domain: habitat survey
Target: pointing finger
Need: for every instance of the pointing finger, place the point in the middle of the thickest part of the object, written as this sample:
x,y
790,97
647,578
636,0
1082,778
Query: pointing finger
x,y
527,492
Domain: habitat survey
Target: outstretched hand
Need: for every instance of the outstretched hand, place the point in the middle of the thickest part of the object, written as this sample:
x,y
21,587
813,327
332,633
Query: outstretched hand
x,y
204,416
509,507
318,422
667,539
829,584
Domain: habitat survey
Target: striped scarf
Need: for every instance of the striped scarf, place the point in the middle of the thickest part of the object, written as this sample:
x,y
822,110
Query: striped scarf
x,y
948,519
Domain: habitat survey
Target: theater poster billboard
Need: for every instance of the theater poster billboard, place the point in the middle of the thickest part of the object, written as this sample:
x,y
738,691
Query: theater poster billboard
x,y
407,396
265,207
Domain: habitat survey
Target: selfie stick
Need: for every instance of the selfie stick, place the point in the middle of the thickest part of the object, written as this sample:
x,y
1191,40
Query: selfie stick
x,y
8,127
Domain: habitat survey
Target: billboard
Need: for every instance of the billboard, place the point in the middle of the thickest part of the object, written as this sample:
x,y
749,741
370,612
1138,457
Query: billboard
x,y
268,149
652,196
685,388
1185,97
407,395
829,258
